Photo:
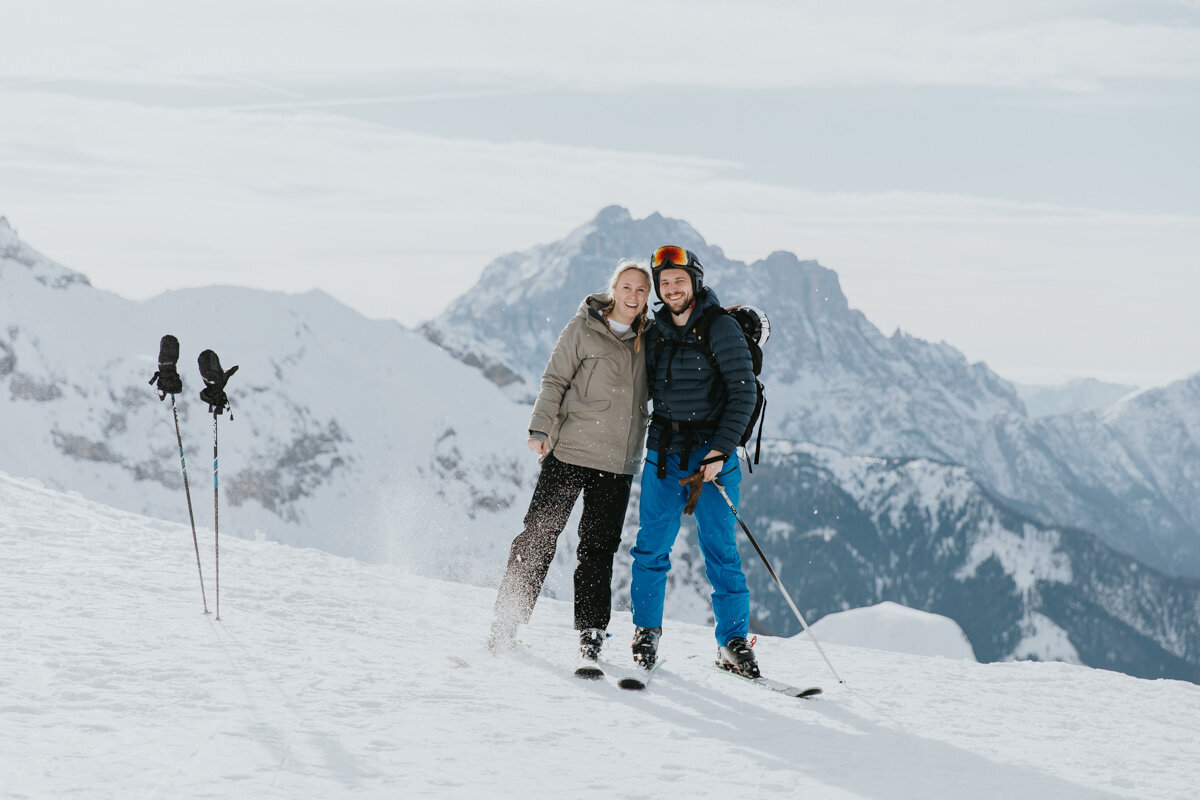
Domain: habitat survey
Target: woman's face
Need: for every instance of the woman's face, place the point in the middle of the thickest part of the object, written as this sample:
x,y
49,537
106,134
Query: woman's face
x,y
631,294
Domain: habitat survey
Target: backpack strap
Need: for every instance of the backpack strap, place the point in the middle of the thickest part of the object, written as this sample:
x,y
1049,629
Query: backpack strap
x,y
703,328
664,441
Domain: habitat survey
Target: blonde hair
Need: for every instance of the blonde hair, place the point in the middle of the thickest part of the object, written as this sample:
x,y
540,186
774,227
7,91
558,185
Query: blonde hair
x,y
625,265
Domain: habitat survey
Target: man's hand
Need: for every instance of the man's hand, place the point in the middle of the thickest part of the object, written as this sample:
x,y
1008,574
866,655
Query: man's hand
x,y
539,446
713,469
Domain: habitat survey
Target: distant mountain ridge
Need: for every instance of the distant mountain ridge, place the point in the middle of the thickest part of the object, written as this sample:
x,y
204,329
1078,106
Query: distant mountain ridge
x,y
833,379
1080,394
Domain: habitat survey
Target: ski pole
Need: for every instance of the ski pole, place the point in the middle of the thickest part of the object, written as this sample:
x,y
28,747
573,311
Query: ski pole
x,y
170,383
191,516
213,393
216,519
778,582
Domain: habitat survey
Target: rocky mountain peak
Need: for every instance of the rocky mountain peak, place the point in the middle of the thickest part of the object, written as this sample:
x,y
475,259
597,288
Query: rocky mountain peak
x,y
45,271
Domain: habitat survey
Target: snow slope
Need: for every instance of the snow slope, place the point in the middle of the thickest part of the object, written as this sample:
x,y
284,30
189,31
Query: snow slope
x,y
330,678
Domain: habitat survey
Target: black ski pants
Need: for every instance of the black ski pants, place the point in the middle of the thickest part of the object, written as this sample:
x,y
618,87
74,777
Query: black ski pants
x,y
605,496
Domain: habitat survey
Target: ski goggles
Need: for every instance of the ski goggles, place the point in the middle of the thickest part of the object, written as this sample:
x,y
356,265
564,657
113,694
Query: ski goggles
x,y
671,256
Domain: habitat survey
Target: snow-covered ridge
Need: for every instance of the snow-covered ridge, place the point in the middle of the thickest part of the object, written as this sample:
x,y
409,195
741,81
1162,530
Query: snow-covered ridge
x,y
339,422
895,628
117,686
45,271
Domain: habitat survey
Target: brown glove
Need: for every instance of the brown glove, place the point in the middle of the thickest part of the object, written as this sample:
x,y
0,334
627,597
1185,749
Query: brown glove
x,y
695,483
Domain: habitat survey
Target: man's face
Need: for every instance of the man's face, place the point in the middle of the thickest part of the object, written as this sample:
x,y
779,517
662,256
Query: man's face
x,y
675,288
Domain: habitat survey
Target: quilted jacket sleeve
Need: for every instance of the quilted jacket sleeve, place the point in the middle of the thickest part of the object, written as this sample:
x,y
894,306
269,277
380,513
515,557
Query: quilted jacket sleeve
x,y
737,370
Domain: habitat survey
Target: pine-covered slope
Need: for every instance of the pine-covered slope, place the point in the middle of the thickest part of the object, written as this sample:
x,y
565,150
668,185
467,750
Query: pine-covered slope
x,y
845,532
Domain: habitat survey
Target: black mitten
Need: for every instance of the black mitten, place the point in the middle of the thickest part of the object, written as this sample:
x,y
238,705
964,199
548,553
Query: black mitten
x,y
167,376
214,381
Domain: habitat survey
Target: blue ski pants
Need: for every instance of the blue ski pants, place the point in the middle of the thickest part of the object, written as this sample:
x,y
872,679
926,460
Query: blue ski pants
x,y
661,510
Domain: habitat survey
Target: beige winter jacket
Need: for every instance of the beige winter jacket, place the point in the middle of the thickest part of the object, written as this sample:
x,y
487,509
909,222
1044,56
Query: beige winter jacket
x,y
592,403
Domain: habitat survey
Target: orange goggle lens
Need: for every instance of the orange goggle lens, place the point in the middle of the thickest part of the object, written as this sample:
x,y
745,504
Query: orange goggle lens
x,y
670,255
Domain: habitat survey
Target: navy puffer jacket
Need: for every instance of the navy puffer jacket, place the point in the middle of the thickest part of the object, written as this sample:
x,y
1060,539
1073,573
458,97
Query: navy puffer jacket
x,y
686,388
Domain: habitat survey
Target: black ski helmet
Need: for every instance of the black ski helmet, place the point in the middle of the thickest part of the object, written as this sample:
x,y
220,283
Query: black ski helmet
x,y
674,257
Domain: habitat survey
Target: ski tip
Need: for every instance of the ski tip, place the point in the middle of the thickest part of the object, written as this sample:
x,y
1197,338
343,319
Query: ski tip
x,y
811,692
589,673
631,683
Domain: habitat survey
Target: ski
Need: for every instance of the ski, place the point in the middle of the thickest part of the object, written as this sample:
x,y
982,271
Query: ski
x,y
634,679
641,677
589,672
773,685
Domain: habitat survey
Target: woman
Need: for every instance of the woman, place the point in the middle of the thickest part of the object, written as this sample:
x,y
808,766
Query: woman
x,y
588,425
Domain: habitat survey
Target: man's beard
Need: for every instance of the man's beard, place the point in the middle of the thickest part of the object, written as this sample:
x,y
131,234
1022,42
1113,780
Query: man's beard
x,y
683,305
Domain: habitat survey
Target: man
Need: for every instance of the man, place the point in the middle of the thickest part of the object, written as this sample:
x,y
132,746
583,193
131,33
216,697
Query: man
x,y
704,394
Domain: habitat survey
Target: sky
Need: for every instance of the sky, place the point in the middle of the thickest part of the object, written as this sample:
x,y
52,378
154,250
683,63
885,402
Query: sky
x,y
1018,180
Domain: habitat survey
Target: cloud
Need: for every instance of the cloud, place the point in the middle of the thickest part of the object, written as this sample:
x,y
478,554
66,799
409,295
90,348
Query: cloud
x,y
1074,46
396,224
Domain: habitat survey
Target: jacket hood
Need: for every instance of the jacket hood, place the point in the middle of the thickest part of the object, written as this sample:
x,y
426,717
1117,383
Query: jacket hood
x,y
592,309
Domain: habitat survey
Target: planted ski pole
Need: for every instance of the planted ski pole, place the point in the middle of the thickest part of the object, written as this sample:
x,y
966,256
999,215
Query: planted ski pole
x,y
778,582
169,383
214,394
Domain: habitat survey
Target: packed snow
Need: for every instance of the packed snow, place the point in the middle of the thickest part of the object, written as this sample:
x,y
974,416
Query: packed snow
x,y
327,677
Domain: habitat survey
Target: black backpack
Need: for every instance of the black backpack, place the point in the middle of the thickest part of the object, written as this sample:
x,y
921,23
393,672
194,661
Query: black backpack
x,y
757,329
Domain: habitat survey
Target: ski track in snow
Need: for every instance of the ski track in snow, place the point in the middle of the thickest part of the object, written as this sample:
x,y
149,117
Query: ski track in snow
x,y
330,678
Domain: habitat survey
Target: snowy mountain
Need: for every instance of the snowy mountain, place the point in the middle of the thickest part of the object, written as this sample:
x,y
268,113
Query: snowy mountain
x,y
341,426
1130,473
834,379
115,686
1080,394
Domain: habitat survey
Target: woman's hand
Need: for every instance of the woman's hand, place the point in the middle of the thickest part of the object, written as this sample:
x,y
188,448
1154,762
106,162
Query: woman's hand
x,y
539,446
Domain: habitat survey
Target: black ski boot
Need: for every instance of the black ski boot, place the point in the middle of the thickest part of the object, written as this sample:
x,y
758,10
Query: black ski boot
x,y
645,646
738,656
590,642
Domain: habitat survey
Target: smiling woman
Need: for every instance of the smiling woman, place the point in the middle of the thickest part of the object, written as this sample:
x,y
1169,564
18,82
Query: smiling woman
x,y
588,426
